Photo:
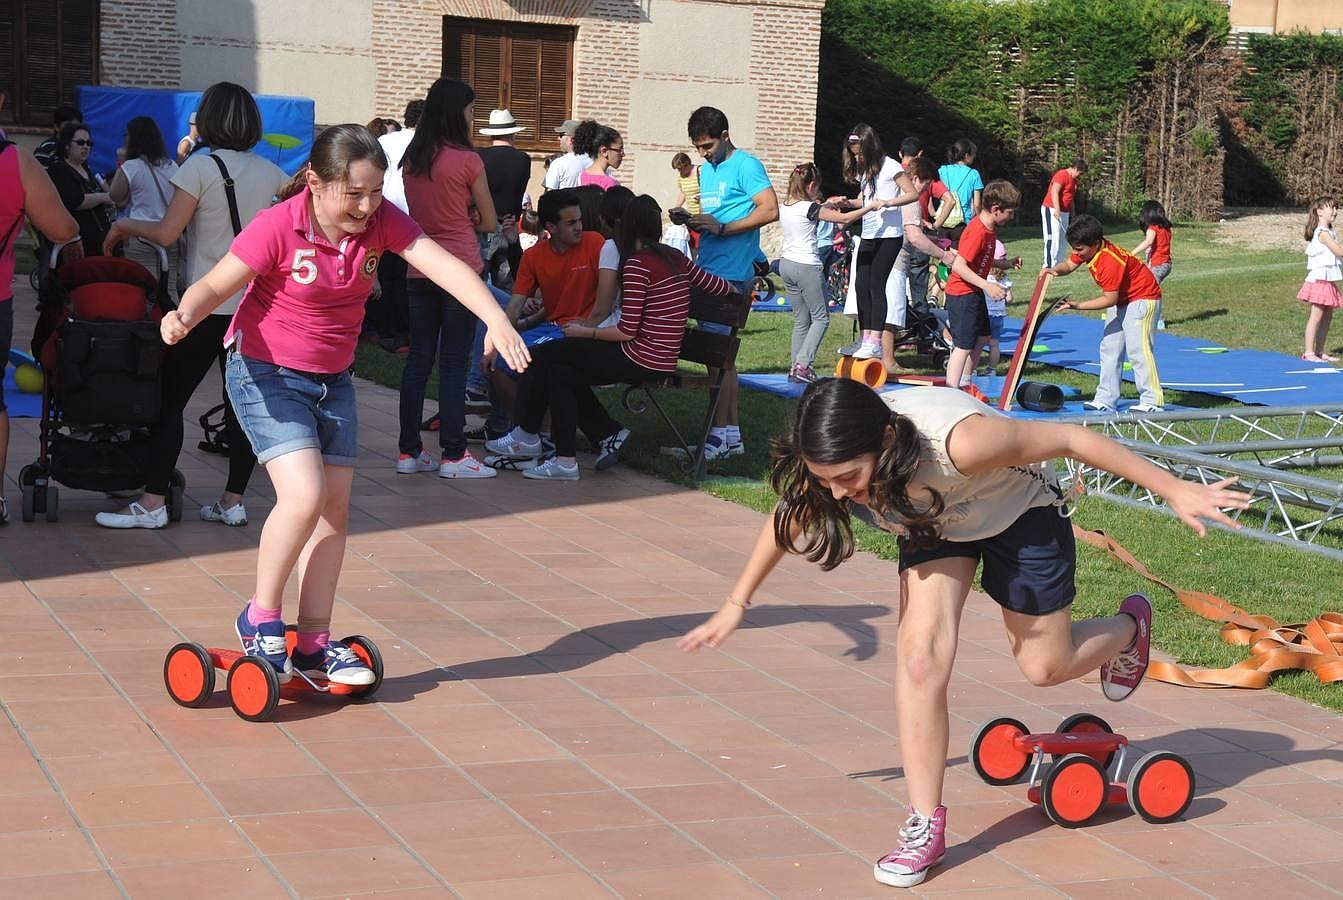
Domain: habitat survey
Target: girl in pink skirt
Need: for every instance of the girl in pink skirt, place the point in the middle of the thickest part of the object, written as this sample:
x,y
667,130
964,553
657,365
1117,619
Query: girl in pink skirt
x,y
1323,268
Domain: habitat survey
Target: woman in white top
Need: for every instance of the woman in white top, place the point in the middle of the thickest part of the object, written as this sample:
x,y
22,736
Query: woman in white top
x,y
200,205
881,179
141,189
800,266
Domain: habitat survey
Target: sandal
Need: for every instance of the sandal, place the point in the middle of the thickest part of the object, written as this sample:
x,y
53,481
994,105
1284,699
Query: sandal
x,y
1327,358
1311,357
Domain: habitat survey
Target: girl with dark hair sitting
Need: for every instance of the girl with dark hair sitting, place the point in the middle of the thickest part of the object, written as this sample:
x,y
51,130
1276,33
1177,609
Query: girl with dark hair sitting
x,y
958,482
655,285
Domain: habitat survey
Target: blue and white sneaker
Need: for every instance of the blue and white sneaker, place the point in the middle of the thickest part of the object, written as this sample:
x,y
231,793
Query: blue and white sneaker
x,y
265,641
336,663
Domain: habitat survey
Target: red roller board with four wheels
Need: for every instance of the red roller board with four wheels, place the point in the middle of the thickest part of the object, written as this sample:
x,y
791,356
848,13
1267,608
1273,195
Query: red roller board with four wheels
x,y
253,687
1074,786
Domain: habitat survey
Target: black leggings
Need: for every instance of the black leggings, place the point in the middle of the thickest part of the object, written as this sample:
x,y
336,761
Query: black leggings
x,y
184,367
560,379
876,259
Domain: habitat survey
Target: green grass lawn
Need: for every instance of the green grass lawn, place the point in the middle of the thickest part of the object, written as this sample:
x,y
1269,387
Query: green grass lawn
x,y
1229,295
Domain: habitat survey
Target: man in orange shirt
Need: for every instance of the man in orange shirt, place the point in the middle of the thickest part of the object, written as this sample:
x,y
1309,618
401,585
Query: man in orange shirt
x,y
556,284
1057,208
1127,285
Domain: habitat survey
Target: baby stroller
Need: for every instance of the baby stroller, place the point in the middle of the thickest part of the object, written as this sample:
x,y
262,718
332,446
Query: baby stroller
x,y
97,338
925,325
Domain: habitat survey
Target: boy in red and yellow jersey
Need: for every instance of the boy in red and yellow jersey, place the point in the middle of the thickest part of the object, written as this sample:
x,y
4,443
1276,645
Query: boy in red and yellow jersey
x,y
1127,285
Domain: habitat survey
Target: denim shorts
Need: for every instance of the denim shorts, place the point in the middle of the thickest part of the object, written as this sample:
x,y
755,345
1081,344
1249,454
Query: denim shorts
x,y
6,337
282,410
741,287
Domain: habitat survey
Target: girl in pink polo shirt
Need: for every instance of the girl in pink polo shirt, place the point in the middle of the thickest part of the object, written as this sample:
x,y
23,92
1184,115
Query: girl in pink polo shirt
x,y
311,261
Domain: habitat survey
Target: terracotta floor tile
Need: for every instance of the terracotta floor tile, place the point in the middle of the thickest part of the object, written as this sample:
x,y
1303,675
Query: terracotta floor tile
x,y
708,880
298,832
829,875
771,760
512,742
1180,848
208,879
315,873
1275,881
608,740
394,786
87,773
770,836
623,849
579,812
138,804
164,843
1308,843
818,795
71,886
705,802
570,887
360,755
521,855
41,811
535,777
289,793
654,769
231,763
50,852
424,824
1070,857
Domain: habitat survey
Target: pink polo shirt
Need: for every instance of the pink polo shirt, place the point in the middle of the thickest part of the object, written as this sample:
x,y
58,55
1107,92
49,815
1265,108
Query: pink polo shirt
x,y
304,308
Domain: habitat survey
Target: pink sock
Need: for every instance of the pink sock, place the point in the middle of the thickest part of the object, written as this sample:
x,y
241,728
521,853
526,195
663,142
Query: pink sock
x,y
256,615
312,641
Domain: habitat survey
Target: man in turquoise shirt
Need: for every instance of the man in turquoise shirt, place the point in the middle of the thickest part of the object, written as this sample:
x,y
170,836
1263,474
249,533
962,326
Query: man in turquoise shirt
x,y
737,198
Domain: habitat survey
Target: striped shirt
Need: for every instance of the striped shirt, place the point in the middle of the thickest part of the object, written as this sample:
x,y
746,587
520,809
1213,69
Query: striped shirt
x,y
655,303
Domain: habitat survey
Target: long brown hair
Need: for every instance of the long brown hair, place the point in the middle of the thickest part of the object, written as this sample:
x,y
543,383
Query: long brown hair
x,y
864,166
837,420
1313,218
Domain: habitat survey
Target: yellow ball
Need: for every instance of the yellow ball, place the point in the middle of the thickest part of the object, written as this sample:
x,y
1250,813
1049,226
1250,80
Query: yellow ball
x,y
28,378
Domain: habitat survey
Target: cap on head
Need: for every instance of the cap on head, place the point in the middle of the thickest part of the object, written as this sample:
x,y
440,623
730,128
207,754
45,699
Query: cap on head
x,y
568,126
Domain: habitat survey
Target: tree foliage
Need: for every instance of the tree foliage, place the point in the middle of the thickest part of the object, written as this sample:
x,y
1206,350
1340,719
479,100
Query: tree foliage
x,y
1131,86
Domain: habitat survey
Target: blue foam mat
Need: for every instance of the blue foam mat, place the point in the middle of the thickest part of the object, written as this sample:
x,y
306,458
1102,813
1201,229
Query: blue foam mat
x,y
1072,341
21,405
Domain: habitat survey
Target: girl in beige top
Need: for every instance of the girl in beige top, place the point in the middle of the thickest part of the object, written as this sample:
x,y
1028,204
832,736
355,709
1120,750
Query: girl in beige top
x,y
958,482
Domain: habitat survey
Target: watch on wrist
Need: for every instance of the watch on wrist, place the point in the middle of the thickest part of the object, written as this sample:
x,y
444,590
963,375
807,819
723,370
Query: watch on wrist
x,y
722,226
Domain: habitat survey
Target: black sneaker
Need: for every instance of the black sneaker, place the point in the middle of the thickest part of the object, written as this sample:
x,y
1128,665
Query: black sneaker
x,y
477,399
481,433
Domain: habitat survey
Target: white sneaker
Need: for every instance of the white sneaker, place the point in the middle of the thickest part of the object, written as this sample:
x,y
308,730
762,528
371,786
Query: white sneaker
x,y
406,464
510,445
553,470
610,447
234,516
134,516
466,467
867,351
1146,408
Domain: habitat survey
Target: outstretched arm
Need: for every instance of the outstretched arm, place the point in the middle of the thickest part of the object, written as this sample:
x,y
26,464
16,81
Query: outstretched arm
x,y
984,442
764,557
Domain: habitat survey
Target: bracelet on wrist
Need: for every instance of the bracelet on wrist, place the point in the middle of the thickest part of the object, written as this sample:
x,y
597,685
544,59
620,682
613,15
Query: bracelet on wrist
x,y
744,604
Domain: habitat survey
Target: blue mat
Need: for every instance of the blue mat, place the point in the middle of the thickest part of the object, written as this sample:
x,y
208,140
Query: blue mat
x,y
991,385
1072,341
21,405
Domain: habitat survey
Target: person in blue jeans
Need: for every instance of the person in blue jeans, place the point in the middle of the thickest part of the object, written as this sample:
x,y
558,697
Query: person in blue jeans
x,y
736,199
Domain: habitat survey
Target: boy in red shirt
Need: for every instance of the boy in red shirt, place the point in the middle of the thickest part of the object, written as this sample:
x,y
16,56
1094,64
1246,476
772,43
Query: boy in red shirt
x,y
1057,207
1127,285
967,313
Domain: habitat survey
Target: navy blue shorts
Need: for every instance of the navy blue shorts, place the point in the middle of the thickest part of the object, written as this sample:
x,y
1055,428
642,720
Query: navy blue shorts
x,y
967,319
1028,568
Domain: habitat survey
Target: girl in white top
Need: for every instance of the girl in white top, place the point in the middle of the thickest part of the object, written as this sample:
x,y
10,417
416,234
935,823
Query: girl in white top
x,y
880,180
1323,269
141,188
800,265
957,481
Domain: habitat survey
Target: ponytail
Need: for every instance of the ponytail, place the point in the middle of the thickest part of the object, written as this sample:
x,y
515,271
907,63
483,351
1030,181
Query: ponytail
x,y
1313,217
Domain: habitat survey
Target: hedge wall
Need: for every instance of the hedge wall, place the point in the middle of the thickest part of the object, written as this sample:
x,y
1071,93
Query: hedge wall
x,y
1132,86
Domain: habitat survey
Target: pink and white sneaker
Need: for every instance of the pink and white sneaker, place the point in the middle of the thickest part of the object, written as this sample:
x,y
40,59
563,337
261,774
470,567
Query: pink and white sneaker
x,y
923,843
1121,675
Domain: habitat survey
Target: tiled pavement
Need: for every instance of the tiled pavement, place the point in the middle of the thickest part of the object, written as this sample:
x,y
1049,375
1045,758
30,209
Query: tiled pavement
x,y
538,734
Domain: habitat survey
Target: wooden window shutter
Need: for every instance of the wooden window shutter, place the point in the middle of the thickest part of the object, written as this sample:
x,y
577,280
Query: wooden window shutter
x,y
50,46
557,80
9,63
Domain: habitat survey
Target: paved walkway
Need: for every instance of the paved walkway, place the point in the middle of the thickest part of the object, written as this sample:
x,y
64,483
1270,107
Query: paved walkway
x,y
538,734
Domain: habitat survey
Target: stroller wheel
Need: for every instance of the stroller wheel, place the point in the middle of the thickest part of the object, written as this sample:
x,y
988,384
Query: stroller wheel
x,y
35,279
53,503
29,512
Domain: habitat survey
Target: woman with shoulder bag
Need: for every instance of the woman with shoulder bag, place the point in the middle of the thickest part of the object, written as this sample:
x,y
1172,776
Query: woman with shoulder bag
x,y
140,189
214,196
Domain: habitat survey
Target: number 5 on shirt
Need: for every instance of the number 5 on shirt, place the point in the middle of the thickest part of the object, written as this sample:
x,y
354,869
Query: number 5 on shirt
x,y
304,267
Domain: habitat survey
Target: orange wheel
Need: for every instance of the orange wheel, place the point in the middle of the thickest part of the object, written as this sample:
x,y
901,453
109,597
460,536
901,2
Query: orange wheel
x,y
995,758
1087,723
844,368
1161,787
253,689
189,675
367,651
871,372
1075,790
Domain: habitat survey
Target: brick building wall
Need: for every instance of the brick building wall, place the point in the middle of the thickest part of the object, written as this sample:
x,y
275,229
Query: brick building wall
x,y
140,44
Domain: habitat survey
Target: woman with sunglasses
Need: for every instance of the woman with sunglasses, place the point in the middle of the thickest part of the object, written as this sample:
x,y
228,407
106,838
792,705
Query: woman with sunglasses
x,y
610,153
83,192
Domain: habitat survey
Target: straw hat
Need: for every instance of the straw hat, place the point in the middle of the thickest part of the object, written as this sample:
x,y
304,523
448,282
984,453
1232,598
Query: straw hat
x,y
501,123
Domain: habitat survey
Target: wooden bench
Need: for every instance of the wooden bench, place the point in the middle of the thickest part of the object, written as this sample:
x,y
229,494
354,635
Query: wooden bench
x,y
716,352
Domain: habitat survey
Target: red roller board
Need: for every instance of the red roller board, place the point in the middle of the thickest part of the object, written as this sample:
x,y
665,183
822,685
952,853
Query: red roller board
x,y
1037,310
